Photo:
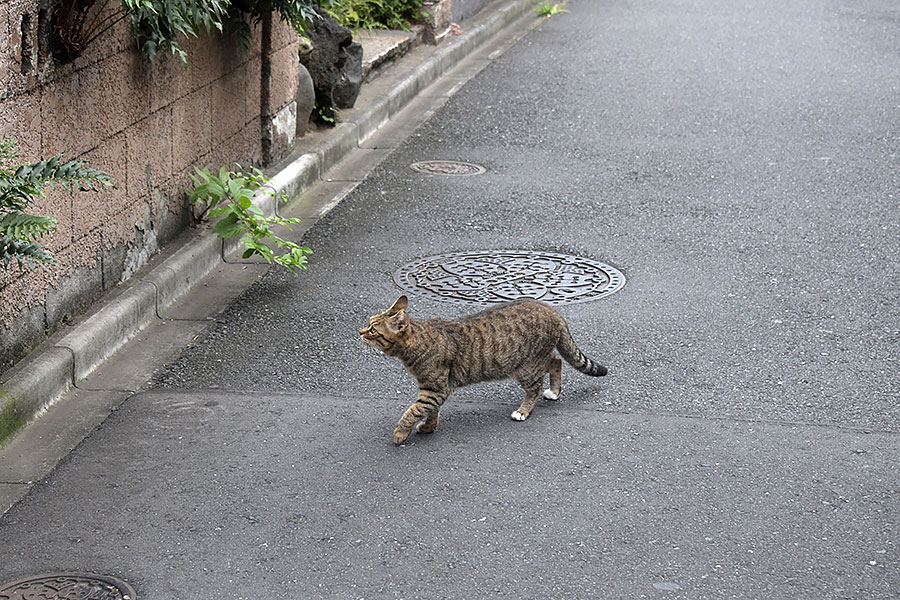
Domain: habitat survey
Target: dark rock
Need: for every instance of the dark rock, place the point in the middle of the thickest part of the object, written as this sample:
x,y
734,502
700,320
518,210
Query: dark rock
x,y
306,99
347,88
334,63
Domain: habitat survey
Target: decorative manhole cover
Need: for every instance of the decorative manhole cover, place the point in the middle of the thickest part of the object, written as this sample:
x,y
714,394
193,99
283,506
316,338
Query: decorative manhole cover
x,y
491,276
447,167
67,586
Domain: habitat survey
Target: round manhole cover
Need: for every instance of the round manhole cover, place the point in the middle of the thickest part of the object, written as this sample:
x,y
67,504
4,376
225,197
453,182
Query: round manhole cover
x,y
67,586
447,167
492,276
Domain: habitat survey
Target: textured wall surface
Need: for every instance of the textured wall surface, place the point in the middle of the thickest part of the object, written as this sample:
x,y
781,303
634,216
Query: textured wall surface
x,y
463,9
148,125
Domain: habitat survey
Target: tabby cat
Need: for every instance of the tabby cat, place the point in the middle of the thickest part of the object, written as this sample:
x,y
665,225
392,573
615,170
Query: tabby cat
x,y
513,340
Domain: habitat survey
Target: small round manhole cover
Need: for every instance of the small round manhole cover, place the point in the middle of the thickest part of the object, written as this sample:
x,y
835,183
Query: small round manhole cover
x,y
447,167
490,277
67,586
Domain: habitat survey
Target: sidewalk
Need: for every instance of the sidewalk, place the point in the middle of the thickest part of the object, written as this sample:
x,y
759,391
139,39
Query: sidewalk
x,y
111,353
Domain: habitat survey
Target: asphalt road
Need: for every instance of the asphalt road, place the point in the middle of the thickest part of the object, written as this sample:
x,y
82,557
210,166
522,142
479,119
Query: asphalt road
x,y
739,164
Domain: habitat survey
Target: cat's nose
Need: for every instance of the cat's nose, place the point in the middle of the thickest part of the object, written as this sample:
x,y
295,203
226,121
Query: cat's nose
x,y
362,331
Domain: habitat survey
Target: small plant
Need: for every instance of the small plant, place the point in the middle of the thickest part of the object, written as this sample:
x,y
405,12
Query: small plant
x,y
160,24
230,196
373,14
157,24
545,9
326,115
19,185
77,23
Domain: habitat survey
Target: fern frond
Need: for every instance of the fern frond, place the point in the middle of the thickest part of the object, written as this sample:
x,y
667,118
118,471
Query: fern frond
x,y
19,231
53,171
25,227
25,253
7,153
15,194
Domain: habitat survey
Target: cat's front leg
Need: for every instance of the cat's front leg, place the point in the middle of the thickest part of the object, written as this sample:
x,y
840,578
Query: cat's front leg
x,y
425,407
429,424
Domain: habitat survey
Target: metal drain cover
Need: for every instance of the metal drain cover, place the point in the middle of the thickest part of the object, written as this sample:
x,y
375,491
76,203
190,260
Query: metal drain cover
x,y
447,167
67,586
492,276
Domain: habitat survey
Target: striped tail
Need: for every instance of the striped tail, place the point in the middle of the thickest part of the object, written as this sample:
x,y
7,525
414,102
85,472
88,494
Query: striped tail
x,y
575,357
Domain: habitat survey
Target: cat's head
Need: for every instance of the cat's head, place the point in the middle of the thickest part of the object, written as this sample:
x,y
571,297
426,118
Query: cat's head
x,y
387,328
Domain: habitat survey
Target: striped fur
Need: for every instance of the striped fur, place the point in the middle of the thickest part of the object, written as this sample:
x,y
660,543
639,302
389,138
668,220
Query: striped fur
x,y
517,340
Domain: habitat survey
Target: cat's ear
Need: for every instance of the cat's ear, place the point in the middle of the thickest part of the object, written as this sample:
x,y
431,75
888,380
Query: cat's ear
x,y
399,322
400,304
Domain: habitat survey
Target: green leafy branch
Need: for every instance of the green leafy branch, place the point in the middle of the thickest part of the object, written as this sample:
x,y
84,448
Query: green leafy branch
x,y
374,14
229,197
19,185
157,23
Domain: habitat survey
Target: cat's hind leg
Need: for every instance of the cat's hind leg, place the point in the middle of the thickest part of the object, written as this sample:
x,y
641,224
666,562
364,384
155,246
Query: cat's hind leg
x,y
554,367
532,386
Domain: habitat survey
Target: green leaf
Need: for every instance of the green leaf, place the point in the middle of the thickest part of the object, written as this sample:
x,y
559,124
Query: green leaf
x,y
24,253
25,227
215,189
150,50
228,227
236,188
222,210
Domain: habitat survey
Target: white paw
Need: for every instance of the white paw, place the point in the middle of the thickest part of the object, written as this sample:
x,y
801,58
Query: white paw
x,y
517,416
549,395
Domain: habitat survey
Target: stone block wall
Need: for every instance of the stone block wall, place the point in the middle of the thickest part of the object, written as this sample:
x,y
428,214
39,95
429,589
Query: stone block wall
x,y
148,125
463,9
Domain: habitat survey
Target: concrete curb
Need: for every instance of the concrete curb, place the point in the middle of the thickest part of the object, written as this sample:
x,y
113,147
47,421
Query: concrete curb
x,y
38,381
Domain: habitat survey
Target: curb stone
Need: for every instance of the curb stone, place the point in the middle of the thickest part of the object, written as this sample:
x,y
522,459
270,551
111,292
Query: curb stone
x,y
36,382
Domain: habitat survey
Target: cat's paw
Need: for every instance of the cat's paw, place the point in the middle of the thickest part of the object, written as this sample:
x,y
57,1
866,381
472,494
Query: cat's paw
x,y
400,436
549,395
517,416
424,427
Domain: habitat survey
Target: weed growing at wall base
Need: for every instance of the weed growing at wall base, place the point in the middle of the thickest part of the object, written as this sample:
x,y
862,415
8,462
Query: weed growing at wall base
x,y
230,197
545,9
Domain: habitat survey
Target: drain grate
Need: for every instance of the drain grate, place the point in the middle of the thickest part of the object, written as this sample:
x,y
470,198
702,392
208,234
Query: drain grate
x,y
447,167
67,586
489,277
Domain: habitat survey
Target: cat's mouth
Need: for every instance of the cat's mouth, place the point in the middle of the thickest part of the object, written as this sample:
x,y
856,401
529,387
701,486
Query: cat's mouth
x,y
370,342
376,343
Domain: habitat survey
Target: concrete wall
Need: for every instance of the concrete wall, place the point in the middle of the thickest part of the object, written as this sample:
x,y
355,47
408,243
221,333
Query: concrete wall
x,y
148,125
463,9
